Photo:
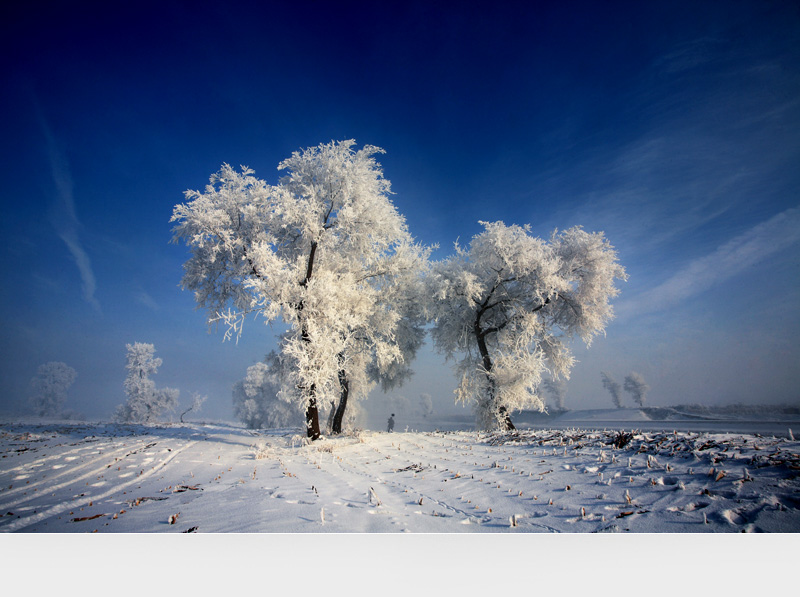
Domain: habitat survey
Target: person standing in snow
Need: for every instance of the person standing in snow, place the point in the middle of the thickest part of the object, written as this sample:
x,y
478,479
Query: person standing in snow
x,y
390,426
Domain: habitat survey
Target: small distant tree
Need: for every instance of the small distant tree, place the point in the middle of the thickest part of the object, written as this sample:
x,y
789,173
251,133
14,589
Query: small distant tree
x,y
510,302
197,404
49,388
145,403
263,399
636,387
426,403
557,388
613,387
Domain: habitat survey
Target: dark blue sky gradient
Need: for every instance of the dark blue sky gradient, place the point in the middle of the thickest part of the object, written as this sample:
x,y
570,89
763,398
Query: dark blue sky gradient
x,y
672,126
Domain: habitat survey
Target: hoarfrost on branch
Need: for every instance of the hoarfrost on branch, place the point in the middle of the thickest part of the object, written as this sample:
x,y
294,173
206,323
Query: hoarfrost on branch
x,y
509,302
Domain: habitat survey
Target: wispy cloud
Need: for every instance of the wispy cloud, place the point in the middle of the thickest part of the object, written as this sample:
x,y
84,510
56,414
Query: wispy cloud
x,y
730,259
710,146
148,301
690,54
63,215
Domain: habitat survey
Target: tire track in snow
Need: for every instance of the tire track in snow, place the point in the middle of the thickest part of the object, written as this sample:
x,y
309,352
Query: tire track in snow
x,y
68,472
67,455
21,523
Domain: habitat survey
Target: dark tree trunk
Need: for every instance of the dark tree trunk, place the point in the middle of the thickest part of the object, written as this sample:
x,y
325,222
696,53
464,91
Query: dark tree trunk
x,y
312,417
340,410
329,425
504,417
312,412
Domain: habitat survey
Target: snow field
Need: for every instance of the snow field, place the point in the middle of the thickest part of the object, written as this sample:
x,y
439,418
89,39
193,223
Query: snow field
x,y
226,479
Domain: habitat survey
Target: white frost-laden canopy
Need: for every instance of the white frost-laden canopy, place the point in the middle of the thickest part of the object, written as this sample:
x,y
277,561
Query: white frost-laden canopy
x,y
508,303
145,403
325,250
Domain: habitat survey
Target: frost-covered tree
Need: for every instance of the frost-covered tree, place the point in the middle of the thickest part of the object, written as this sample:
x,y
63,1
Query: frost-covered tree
x,y
145,403
557,388
263,399
636,387
509,302
49,388
426,404
197,404
613,387
319,250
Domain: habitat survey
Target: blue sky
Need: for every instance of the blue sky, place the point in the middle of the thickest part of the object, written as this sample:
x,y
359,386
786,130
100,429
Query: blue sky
x,y
671,126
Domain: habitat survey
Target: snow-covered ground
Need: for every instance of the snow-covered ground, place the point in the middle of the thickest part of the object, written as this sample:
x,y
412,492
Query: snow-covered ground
x,y
221,478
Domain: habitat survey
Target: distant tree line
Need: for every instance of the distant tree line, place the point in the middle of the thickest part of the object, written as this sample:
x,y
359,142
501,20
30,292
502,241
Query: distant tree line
x,y
739,409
